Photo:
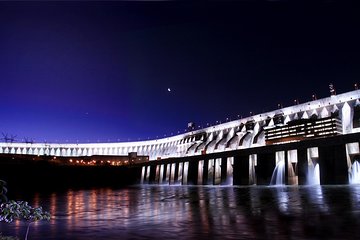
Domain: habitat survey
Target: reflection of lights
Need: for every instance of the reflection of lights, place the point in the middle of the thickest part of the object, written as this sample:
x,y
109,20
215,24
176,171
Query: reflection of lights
x,y
316,197
355,193
282,199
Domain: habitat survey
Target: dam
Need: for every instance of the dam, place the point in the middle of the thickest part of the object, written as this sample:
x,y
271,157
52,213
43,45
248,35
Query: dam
x,y
312,142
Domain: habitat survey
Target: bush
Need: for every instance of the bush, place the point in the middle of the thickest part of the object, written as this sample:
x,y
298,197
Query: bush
x,y
18,210
21,210
8,237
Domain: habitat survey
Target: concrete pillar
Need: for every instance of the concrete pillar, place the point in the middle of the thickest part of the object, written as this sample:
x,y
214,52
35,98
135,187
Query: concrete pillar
x,y
152,174
333,165
205,172
223,170
217,171
185,173
172,173
142,178
241,170
265,167
147,174
211,172
167,173
292,161
252,164
200,174
161,174
157,174
180,173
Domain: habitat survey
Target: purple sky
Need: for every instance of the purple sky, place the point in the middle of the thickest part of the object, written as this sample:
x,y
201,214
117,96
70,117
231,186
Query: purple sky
x,y
90,71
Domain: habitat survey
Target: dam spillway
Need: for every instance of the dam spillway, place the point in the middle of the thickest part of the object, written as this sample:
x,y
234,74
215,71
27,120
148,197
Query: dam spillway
x,y
241,152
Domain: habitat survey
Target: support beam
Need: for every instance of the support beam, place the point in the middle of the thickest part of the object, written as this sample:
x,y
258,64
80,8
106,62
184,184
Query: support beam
x,y
172,173
205,172
211,172
142,177
176,173
147,174
223,170
157,173
180,173
161,173
217,171
152,174
167,173
185,173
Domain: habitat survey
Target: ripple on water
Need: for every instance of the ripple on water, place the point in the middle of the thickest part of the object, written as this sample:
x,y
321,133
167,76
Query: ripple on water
x,y
195,212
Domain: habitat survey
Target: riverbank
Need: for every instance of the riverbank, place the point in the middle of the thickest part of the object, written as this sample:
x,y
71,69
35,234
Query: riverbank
x,y
24,174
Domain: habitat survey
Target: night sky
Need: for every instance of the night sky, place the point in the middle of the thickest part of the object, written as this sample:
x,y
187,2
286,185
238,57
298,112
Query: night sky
x,y
91,71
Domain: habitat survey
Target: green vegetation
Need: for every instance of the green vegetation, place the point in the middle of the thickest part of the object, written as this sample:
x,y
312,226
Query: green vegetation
x,y
8,237
18,210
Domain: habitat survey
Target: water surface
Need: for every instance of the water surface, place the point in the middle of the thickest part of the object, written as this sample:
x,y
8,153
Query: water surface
x,y
197,212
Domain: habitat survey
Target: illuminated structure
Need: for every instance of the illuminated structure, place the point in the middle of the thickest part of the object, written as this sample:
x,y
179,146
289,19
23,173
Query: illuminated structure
x,y
319,118
243,133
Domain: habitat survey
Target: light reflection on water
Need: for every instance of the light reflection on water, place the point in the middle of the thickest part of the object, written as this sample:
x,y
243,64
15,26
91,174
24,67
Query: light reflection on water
x,y
198,212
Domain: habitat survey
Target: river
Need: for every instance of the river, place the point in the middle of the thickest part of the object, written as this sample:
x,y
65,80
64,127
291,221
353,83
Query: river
x,y
196,212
